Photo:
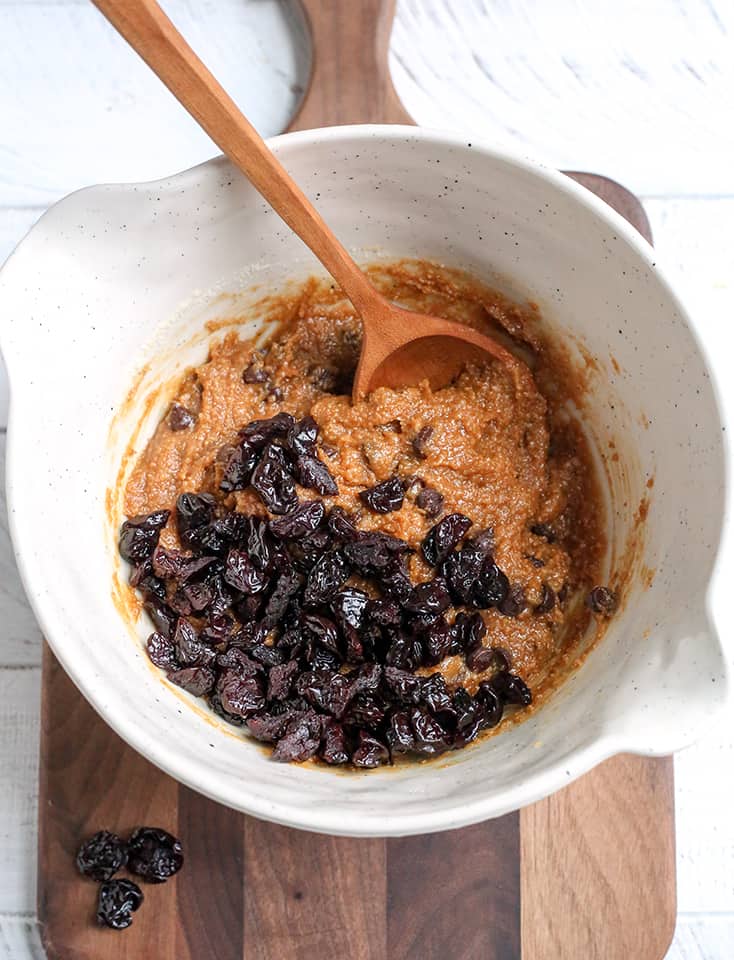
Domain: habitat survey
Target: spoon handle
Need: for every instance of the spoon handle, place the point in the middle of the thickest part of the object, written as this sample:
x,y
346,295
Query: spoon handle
x,y
152,35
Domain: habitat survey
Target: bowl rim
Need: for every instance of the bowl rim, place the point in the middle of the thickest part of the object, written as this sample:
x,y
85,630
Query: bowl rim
x,y
532,788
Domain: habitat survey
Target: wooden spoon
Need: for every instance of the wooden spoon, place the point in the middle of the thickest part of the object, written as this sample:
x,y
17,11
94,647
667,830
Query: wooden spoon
x,y
399,347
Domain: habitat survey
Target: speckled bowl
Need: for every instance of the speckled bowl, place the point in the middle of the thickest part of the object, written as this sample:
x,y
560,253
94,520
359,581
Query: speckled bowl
x,y
106,299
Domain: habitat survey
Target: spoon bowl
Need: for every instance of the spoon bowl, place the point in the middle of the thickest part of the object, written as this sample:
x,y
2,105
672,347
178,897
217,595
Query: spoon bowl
x,y
401,347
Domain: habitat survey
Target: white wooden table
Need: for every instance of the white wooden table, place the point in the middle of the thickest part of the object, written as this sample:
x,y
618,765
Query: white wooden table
x,y
643,92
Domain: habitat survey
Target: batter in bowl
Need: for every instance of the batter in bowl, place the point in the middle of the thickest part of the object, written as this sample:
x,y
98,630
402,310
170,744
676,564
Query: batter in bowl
x,y
471,465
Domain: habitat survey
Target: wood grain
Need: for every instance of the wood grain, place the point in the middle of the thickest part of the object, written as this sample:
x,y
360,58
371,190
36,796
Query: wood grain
x,y
310,896
589,872
252,890
210,898
598,865
91,780
350,78
467,885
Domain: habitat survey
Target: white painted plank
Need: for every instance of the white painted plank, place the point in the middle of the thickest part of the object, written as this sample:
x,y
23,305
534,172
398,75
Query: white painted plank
x,y
79,107
20,939
15,222
638,91
19,723
21,638
703,937
704,800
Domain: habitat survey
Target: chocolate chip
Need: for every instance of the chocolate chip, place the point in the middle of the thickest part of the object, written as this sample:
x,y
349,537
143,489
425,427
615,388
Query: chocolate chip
x,y
547,600
255,373
514,602
430,501
480,659
179,418
421,441
393,426
602,600
544,531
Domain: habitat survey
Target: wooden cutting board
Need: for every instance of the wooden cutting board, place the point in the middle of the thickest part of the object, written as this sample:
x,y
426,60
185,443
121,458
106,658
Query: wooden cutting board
x,y
588,874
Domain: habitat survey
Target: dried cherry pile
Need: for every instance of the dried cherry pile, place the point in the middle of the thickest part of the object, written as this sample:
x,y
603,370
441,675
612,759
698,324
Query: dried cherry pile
x,y
150,853
307,630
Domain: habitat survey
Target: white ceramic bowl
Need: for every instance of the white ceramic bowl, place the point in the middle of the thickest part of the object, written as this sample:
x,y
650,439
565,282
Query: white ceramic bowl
x,y
116,277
